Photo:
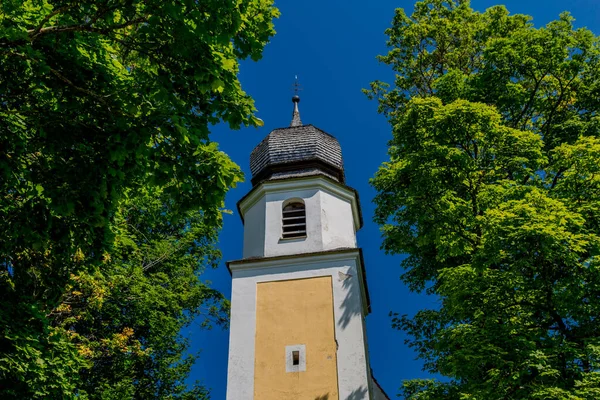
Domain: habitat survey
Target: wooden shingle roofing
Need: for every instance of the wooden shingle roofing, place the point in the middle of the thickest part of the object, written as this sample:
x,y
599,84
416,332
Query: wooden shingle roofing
x,y
296,149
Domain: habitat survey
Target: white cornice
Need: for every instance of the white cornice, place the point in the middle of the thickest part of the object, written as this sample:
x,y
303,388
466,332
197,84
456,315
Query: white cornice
x,y
313,182
296,259
306,259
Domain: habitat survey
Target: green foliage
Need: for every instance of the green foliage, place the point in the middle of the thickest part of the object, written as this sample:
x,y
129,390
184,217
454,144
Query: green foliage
x,y
492,190
125,317
102,103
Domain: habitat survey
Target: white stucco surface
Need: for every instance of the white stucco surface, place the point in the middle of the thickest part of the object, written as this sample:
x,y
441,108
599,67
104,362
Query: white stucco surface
x,y
274,244
337,223
349,312
289,362
254,230
331,217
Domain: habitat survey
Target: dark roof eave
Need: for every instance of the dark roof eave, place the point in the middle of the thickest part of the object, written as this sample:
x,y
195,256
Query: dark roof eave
x,y
299,165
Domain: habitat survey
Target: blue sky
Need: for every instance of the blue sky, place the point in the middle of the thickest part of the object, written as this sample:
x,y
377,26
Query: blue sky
x,y
331,46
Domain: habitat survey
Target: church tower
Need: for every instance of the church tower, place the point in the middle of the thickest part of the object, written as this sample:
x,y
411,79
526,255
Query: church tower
x,y
299,294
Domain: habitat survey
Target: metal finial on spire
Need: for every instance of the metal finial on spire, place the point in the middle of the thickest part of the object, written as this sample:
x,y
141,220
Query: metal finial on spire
x,y
296,99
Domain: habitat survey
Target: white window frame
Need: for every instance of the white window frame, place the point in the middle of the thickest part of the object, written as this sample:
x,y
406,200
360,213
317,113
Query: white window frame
x,y
289,359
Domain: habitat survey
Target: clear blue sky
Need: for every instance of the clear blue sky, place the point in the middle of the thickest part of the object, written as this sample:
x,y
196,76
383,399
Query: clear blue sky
x,y
331,45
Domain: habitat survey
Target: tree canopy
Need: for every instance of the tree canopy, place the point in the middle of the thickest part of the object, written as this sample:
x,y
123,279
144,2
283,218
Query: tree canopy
x,y
103,106
492,191
125,318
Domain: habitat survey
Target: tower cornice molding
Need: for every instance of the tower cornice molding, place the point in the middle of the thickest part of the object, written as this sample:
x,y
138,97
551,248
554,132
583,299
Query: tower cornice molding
x,y
294,259
306,259
300,183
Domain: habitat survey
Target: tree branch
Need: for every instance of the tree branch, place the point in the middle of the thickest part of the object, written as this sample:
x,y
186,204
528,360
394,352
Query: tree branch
x,y
84,28
79,89
531,99
556,177
62,78
48,17
560,99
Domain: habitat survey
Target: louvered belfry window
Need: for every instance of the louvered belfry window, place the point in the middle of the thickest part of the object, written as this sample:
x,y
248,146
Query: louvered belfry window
x,y
294,220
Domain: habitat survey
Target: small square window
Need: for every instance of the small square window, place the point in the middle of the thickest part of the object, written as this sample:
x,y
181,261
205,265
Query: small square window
x,y
295,358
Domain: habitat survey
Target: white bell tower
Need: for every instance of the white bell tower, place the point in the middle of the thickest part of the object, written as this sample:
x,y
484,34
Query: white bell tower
x,y
299,295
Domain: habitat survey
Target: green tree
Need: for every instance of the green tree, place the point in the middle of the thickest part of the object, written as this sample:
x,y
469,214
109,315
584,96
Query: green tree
x,y
99,101
492,190
125,317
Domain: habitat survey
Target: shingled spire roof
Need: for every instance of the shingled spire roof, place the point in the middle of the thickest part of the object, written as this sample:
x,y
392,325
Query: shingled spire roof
x,y
296,114
299,150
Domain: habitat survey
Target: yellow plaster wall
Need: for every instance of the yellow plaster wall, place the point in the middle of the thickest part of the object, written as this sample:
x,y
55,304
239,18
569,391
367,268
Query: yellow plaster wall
x,y
290,313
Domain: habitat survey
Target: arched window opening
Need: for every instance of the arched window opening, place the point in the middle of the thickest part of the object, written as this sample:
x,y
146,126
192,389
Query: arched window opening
x,y
294,220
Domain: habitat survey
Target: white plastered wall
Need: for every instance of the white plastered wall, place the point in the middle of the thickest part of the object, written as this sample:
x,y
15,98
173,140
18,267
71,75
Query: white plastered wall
x,y
336,222
274,244
349,311
254,237
331,218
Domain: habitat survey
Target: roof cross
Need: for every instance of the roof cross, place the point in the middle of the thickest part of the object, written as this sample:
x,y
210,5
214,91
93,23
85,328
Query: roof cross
x,y
296,87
